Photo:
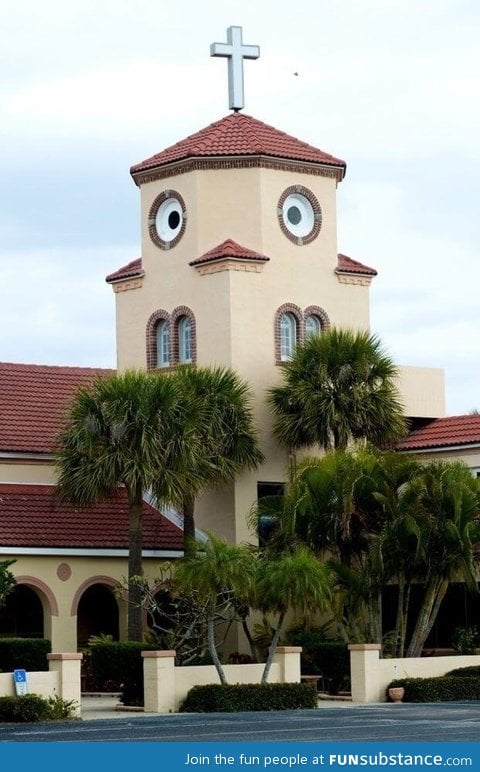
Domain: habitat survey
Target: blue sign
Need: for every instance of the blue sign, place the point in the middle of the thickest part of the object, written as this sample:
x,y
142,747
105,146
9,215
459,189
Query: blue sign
x,y
20,680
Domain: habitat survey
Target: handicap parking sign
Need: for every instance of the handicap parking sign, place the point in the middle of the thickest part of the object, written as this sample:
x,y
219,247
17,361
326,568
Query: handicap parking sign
x,y
20,680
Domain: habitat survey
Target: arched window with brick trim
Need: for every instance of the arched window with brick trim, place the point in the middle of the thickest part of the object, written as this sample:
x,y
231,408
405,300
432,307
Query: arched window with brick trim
x,y
183,330
288,331
316,320
158,340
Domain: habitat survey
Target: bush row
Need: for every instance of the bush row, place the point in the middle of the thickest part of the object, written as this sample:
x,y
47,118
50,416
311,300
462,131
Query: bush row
x,y
24,653
445,688
218,698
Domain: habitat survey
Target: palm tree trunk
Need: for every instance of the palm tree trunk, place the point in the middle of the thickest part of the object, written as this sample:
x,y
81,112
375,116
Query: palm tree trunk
x,y
423,627
212,648
135,597
272,649
188,510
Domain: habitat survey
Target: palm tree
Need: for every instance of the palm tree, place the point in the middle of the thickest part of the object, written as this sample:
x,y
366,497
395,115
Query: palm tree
x,y
338,387
293,580
219,435
218,574
123,430
450,498
7,580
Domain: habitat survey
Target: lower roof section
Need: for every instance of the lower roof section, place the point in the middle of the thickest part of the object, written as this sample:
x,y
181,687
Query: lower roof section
x,y
33,516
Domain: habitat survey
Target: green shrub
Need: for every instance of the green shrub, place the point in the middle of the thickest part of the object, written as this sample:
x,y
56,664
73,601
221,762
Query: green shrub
x,y
441,689
122,663
465,672
319,656
27,708
216,698
60,709
24,653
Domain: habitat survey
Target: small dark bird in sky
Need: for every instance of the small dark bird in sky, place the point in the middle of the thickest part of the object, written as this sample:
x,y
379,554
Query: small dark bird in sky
x,y
296,73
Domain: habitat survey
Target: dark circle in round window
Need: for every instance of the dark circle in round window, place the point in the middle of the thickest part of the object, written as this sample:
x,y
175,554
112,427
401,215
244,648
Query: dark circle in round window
x,y
174,219
294,215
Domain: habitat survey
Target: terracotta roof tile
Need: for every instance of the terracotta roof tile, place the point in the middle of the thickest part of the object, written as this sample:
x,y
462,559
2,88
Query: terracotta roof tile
x,y
349,265
32,401
134,268
229,248
32,516
444,432
239,135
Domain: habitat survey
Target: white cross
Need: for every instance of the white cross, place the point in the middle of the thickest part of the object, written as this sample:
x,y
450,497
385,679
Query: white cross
x,y
236,52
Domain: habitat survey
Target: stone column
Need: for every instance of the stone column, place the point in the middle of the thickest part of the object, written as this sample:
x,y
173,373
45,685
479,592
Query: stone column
x,y
364,672
288,657
67,665
159,681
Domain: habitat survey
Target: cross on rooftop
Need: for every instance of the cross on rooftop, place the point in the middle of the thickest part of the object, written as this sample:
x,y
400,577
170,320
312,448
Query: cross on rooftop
x,y
235,52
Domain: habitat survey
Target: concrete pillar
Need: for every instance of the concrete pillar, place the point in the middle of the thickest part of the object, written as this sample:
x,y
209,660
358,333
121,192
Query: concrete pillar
x,y
288,657
67,665
364,672
159,681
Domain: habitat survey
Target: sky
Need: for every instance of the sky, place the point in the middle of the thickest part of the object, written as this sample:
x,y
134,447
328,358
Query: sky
x,y
90,87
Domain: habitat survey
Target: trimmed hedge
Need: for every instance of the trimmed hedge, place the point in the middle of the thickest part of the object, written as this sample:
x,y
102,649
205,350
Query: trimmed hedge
x,y
441,689
465,672
232,698
24,653
120,662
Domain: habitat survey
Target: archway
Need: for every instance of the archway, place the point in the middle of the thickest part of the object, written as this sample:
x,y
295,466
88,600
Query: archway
x,y
22,616
97,614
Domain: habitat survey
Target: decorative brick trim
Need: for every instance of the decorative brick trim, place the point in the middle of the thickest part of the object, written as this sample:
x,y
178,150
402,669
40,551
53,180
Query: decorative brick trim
x,y
175,318
249,162
296,311
158,654
317,214
151,336
348,278
127,284
321,315
164,196
229,264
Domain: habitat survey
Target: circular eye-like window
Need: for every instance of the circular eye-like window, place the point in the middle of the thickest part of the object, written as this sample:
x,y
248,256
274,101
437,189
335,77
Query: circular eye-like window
x,y
299,214
167,218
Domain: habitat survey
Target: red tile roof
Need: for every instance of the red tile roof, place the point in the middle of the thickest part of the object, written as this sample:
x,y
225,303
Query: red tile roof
x,y
444,432
32,401
349,265
229,248
239,135
134,268
32,516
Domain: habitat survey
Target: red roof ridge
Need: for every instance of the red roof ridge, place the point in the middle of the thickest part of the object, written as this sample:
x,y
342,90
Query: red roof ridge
x,y
238,134
133,268
68,369
229,248
347,264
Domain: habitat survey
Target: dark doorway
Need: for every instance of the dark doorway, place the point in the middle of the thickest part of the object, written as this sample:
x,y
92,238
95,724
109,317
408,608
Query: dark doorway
x,y
97,614
22,615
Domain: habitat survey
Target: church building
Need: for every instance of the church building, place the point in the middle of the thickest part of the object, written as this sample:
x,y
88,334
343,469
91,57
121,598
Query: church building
x,y
239,262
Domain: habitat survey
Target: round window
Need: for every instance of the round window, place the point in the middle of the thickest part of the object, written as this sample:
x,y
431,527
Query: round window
x,y
299,214
167,219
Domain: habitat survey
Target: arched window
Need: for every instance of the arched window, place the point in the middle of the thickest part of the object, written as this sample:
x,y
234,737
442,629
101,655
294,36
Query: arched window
x,y
163,343
288,336
185,353
312,326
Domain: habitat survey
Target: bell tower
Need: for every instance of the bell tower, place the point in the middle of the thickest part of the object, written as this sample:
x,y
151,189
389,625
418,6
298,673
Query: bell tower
x,y
238,264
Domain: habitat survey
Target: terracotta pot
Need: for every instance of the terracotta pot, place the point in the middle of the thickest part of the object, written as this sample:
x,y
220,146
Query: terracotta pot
x,y
396,693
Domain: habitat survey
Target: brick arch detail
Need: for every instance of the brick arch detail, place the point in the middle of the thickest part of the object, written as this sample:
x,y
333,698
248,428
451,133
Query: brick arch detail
x,y
99,579
296,311
159,315
175,316
320,313
38,584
